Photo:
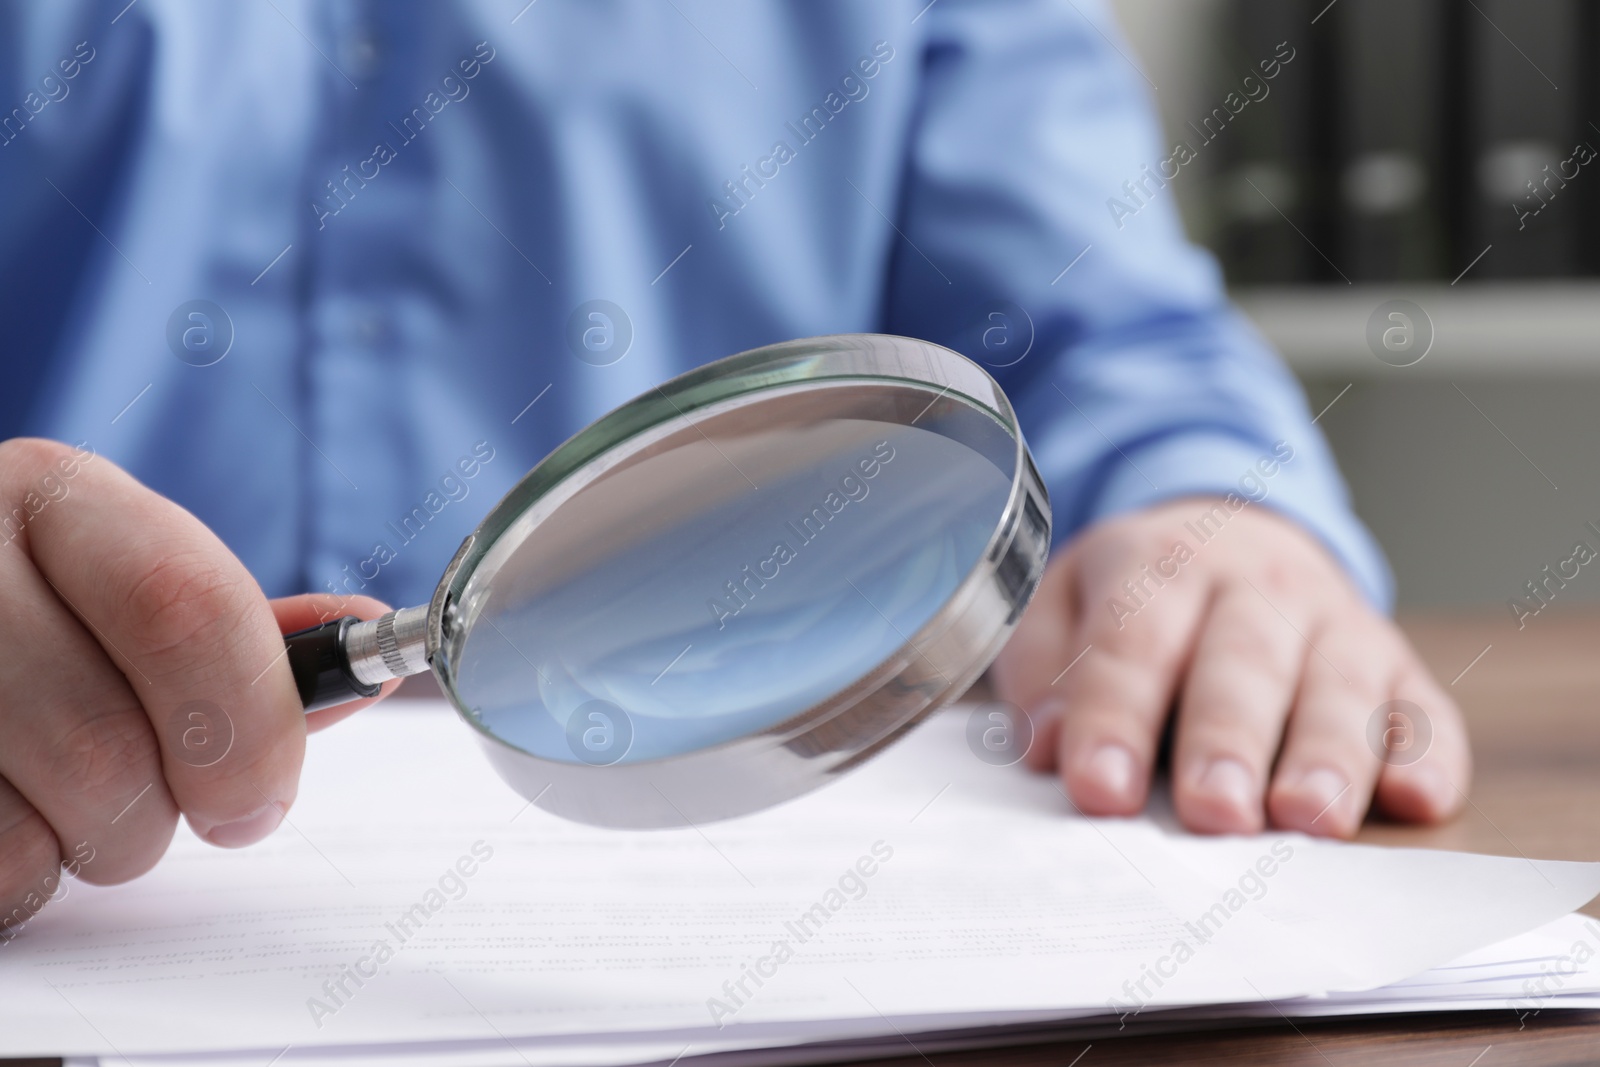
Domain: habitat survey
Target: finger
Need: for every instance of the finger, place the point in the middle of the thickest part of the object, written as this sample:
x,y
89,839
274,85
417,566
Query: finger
x,y
1240,687
30,860
1427,785
77,746
192,632
1118,695
1031,662
77,743
312,609
1326,772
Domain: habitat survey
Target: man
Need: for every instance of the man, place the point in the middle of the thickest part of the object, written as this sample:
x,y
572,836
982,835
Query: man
x,y
289,263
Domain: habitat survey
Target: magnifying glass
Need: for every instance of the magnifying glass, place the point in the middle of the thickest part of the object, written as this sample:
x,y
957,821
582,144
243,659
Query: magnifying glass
x,y
730,590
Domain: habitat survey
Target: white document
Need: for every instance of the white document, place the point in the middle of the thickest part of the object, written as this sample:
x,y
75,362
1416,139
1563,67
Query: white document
x,y
412,897
1556,966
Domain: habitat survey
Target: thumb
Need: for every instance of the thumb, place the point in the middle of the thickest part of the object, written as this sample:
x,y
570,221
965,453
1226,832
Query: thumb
x,y
312,609
1025,671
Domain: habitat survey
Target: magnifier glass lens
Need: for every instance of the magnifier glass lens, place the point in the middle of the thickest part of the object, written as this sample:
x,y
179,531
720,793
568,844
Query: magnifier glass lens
x,y
730,570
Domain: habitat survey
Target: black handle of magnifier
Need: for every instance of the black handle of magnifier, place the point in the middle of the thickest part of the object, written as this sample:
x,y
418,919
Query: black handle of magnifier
x,y
321,666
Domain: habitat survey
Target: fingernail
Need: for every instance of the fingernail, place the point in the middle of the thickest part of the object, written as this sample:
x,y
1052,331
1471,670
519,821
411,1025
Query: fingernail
x,y
1322,787
1431,780
1230,780
245,831
1112,767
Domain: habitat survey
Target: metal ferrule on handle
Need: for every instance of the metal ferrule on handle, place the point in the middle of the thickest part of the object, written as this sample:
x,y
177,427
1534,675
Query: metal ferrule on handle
x,y
394,645
349,659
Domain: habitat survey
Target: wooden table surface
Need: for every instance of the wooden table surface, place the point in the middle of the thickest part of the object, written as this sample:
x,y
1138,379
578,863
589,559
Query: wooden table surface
x,y
1531,705
1530,701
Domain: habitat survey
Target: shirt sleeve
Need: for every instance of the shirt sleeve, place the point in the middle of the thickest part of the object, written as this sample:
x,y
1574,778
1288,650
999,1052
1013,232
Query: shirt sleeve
x,y
1041,239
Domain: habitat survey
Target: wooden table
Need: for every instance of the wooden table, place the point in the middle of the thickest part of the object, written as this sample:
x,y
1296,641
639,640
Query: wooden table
x,y
1531,703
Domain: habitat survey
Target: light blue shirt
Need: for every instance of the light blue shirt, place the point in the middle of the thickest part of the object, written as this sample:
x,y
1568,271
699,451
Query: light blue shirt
x,y
444,236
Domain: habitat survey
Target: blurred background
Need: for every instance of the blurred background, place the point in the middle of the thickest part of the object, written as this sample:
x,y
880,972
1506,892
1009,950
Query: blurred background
x,y
1440,153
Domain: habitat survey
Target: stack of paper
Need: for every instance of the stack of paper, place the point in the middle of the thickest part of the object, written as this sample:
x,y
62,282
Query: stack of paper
x,y
414,910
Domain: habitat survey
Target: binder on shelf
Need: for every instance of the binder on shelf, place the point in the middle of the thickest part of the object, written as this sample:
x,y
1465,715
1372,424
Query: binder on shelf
x,y
1587,202
1391,195
1523,175
1410,140
1270,154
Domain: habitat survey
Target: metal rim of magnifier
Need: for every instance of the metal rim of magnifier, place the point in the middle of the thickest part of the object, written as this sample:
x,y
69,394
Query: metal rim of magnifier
x,y
936,664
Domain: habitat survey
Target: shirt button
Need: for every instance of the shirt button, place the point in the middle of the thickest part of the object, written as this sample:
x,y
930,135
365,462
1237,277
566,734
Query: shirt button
x,y
373,328
362,55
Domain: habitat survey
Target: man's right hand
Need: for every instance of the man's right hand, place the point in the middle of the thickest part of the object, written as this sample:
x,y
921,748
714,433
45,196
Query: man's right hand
x,y
144,677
